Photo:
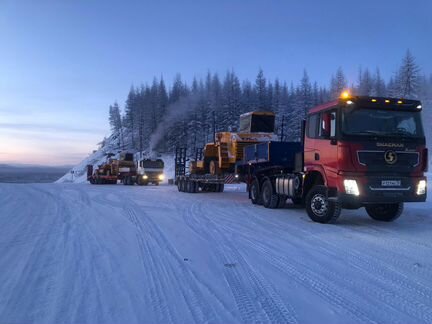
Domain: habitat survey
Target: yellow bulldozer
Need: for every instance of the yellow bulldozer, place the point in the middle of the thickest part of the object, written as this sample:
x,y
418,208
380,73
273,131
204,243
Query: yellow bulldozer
x,y
220,156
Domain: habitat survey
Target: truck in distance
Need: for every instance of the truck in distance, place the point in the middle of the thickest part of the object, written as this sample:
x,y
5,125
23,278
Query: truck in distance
x,y
149,171
113,170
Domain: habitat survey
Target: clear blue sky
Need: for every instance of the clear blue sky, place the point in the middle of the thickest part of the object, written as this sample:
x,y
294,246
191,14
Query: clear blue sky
x,y
62,62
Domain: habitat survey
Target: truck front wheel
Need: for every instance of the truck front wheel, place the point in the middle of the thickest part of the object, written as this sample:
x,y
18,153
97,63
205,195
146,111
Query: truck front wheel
x,y
385,212
319,208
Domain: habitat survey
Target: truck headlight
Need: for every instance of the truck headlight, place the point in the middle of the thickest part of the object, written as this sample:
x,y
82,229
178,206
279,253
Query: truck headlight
x,y
145,176
161,177
351,187
421,187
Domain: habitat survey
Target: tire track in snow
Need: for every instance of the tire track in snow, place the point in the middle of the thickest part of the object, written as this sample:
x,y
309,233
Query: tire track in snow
x,y
154,273
251,293
192,296
369,267
366,283
41,268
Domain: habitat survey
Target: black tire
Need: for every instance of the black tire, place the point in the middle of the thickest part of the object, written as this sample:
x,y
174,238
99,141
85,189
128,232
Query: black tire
x,y
255,192
156,183
282,201
194,187
270,199
214,167
182,185
221,187
178,185
319,208
385,212
92,181
189,186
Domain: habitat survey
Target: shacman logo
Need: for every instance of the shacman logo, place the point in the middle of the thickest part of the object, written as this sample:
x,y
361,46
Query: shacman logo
x,y
395,145
390,157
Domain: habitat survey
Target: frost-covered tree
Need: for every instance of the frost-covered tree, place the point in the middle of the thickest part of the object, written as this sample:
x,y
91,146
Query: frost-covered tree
x,y
305,97
338,84
365,83
116,123
261,92
408,77
379,86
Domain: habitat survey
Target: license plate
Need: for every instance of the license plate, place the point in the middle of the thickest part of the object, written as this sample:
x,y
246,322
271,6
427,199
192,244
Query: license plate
x,y
390,183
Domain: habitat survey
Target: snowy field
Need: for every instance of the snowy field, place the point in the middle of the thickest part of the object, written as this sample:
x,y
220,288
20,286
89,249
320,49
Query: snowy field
x,y
76,253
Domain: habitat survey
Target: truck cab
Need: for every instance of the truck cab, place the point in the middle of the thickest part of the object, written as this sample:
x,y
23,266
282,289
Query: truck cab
x,y
364,152
150,171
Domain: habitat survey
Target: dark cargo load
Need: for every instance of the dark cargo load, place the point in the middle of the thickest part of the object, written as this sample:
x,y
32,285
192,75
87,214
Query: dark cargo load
x,y
276,153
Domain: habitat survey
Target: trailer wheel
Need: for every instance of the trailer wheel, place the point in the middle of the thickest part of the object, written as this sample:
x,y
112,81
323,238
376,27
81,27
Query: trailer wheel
x,y
319,208
270,199
385,212
254,193
194,186
189,186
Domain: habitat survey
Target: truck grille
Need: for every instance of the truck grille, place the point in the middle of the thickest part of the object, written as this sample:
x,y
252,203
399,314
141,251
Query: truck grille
x,y
376,159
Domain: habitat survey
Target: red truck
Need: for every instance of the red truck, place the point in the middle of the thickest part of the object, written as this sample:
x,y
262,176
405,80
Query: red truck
x,y
356,152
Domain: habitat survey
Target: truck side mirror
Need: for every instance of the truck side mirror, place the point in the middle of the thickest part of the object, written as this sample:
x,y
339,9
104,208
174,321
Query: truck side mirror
x,y
325,125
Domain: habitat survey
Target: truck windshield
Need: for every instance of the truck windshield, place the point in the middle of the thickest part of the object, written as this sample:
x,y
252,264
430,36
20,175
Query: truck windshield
x,y
262,124
152,164
381,122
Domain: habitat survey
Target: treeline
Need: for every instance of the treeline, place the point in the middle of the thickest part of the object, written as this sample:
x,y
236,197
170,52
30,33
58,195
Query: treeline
x,y
157,118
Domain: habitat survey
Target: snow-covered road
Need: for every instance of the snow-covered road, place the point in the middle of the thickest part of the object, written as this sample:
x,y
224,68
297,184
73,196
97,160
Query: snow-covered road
x,y
117,254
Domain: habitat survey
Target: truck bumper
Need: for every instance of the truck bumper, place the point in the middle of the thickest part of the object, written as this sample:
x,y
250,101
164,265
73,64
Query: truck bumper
x,y
372,192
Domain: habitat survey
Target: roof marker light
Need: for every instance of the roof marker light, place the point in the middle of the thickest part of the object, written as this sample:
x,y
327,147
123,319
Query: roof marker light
x,y
345,94
387,101
400,102
374,100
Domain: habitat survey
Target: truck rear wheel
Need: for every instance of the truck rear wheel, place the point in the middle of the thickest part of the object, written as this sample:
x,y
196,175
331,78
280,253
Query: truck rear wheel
x,y
282,201
270,199
189,186
254,193
385,212
319,208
